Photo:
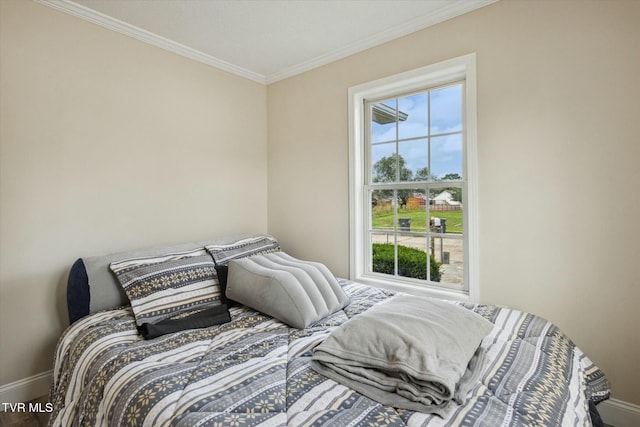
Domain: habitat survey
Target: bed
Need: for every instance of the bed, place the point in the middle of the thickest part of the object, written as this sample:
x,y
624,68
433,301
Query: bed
x,y
255,369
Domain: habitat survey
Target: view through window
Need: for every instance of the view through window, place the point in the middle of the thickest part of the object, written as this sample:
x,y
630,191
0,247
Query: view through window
x,y
415,185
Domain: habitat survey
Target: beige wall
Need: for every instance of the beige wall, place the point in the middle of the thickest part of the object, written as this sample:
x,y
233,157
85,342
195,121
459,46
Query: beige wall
x,y
109,144
558,109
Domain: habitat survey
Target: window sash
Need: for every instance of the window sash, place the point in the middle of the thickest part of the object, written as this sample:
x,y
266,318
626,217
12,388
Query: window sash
x,y
429,136
423,185
427,234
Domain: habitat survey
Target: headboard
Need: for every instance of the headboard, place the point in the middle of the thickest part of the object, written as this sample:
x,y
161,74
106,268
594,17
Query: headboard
x,y
92,286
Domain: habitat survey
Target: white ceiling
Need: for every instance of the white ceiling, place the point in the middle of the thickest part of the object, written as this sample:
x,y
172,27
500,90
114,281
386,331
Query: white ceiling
x,y
266,40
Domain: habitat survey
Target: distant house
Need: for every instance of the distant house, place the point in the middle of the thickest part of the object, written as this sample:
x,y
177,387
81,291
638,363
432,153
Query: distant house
x,y
416,202
444,201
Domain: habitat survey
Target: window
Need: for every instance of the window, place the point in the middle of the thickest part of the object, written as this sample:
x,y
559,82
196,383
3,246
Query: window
x,y
413,181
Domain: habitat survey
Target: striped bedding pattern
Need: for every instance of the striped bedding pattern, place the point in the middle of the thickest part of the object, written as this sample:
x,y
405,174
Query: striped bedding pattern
x,y
170,285
222,254
254,371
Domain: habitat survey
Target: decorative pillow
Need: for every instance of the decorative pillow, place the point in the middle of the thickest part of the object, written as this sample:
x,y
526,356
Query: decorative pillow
x,y
222,254
296,292
166,286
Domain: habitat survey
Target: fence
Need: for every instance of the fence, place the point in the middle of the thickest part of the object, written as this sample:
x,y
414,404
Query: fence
x,y
445,208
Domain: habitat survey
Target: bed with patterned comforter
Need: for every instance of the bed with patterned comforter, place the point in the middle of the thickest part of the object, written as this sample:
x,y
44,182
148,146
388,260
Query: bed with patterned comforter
x,y
255,371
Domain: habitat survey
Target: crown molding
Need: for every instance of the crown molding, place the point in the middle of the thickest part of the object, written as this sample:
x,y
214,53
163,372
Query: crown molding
x,y
145,36
452,10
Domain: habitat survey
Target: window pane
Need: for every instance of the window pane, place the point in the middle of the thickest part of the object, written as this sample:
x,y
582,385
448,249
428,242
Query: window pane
x,y
382,238
412,214
412,257
383,162
382,210
446,210
413,160
383,121
413,116
446,155
383,253
449,257
446,110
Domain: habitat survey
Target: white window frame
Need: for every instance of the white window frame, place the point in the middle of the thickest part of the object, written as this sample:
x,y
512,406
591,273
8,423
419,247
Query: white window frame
x,y
456,69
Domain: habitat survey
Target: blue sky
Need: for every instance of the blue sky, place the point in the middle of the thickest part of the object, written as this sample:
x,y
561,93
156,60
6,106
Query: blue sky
x,y
445,117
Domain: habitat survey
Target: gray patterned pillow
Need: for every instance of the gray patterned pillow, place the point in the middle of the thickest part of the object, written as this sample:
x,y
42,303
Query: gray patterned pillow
x,y
250,246
167,286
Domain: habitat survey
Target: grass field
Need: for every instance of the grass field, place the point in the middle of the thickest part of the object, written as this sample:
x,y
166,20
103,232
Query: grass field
x,y
382,218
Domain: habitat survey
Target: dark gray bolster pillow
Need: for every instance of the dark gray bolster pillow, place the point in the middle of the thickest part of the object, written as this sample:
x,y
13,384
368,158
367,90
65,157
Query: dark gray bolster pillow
x,y
293,291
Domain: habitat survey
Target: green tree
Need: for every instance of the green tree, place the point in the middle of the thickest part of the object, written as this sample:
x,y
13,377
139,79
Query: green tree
x,y
384,170
451,177
424,175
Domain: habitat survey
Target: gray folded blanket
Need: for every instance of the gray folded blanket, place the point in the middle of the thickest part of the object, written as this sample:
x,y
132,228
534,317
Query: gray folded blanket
x,y
410,352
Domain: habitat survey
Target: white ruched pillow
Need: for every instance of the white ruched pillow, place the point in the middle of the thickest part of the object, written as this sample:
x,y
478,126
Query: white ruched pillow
x,y
293,291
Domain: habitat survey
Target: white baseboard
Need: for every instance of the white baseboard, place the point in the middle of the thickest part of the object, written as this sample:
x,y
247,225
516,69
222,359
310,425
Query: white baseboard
x,y
27,389
619,413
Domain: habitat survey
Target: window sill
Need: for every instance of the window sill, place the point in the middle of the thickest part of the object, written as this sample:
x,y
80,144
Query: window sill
x,y
414,289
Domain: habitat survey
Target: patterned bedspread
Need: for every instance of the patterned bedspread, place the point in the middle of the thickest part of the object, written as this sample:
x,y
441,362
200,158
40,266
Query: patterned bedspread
x,y
255,371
